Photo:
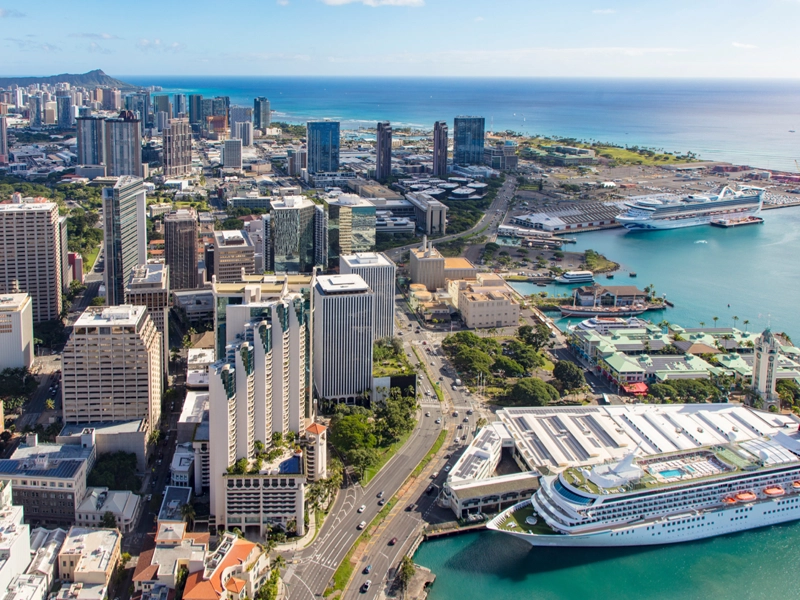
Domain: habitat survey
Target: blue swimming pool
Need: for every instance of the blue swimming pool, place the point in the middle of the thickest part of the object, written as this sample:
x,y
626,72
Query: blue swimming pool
x,y
671,473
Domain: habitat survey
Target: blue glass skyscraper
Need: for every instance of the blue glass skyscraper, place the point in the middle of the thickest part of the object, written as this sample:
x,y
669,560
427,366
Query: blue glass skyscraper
x,y
468,140
323,146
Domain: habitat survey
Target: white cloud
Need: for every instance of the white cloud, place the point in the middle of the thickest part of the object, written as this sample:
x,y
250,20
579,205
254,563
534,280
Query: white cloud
x,y
95,36
96,48
478,19
29,45
376,2
604,11
10,13
283,2
744,46
147,45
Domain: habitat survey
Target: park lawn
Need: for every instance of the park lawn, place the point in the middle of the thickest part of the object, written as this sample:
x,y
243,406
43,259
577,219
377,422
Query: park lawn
x,y
630,157
548,364
391,366
89,258
385,455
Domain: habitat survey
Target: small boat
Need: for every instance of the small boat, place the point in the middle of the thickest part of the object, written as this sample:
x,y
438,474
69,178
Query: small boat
x,y
745,496
542,284
610,276
774,490
729,500
796,485
632,274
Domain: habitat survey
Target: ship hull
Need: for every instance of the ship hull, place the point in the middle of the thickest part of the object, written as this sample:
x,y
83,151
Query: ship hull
x,y
686,528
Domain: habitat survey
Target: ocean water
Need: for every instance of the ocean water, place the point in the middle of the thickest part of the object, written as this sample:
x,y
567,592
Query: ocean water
x,y
734,120
749,272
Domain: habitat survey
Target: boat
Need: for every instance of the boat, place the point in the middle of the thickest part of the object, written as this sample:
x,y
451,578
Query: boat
x,y
796,485
751,220
670,211
632,274
602,311
699,486
610,276
576,277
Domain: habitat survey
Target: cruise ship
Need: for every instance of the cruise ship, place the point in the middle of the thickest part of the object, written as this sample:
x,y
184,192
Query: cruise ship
x,y
686,472
667,211
576,277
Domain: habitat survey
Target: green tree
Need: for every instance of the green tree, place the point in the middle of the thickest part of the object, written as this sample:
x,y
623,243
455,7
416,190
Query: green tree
x,y
352,431
406,572
508,366
569,375
535,337
663,391
525,354
98,301
188,514
532,391
362,459
109,521
473,360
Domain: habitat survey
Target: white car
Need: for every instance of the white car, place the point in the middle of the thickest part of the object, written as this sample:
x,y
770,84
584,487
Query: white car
x,y
447,469
362,508
362,525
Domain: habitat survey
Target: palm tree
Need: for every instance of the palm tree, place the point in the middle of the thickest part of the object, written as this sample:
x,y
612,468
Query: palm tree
x,y
746,322
702,323
188,514
715,319
735,320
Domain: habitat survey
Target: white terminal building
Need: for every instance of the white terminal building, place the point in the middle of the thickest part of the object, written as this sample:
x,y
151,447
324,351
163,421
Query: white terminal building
x,y
16,331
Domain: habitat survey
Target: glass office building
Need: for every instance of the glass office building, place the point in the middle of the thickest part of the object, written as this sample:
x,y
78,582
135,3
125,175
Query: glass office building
x,y
468,134
323,146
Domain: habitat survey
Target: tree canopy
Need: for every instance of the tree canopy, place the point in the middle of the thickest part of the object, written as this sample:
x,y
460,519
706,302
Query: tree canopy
x,y
569,375
532,391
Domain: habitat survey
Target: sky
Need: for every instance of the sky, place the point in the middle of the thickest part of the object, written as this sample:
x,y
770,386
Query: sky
x,y
432,38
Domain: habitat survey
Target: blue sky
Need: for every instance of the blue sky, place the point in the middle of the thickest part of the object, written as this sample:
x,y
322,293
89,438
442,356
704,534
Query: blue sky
x,y
524,38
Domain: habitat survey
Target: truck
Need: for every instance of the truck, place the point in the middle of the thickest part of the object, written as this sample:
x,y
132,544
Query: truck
x,y
458,382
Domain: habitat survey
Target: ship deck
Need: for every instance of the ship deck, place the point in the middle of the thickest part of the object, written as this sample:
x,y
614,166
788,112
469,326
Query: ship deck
x,y
515,523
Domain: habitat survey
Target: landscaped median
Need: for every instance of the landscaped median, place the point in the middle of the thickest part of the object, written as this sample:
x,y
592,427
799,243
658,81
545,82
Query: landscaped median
x,y
436,388
431,453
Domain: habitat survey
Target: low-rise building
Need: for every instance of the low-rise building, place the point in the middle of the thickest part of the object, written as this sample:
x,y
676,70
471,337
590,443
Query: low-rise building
x,y
181,469
45,546
88,559
124,506
235,570
15,549
175,498
430,214
172,549
488,307
27,587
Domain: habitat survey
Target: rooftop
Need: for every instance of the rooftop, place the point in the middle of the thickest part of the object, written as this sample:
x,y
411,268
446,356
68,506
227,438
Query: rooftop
x,y
94,546
148,276
174,498
14,302
366,259
119,316
101,500
195,404
71,429
457,263
290,203
231,238
28,207
349,200
341,284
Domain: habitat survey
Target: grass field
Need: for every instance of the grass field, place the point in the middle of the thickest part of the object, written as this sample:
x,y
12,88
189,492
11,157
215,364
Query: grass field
x,y
384,458
89,258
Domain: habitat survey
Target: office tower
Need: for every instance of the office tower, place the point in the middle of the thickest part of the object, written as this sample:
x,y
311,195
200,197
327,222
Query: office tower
x,y
258,387
177,148
179,106
91,140
180,249
292,234
323,146
266,240
162,119
244,132
343,312
16,331
31,256
112,99
351,226
139,104
149,286
195,108
378,271
125,239
123,145
64,104
206,111
161,103
232,155
111,367
35,105
261,113
440,149
468,140
320,236
239,114
220,106
383,151
3,139
234,253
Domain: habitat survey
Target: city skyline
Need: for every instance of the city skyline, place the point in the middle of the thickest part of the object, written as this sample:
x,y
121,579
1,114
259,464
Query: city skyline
x,y
610,39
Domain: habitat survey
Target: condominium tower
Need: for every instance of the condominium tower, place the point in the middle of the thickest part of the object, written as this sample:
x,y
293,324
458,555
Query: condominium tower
x,y
112,367
3,139
323,146
64,111
440,149
123,141
177,148
91,140
468,134
180,249
343,313
261,113
239,114
378,271
31,255
383,151
125,240
292,234
232,154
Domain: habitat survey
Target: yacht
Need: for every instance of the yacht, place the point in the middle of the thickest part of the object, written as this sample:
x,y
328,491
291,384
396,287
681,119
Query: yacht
x,y
668,211
576,277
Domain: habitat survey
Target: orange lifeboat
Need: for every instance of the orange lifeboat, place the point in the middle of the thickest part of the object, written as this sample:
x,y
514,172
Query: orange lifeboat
x,y
745,496
796,485
774,490
729,500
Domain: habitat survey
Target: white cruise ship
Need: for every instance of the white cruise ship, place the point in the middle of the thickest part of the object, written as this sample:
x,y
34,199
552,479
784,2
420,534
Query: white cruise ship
x,y
667,211
576,277
688,472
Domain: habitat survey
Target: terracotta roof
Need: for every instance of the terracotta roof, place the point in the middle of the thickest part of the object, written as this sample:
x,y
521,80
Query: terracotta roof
x,y
199,589
199,537
235,585
145,569
316,428
211,589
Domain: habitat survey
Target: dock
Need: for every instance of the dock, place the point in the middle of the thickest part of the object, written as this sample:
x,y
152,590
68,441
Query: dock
x,y
454,530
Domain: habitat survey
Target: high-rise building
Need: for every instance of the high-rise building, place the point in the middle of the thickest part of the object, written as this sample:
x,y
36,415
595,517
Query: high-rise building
x,y
206,111
112,99
378,271
244,132
125,234
179,106
261,113
112,367
323,146
320,236
16,331
139,104
440,149
195,108
161,103
234,254
468,133
36,106
123,145
31,256
180,249
149,286
162,120
64,109
177,148
91,140
765,366
220,106
239,114
343,313
3,139
351,226
383,151
232,155
292,234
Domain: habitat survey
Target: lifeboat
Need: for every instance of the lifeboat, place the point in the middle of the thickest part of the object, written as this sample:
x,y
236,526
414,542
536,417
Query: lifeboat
x,y
729,500
745,496
796,485
774,490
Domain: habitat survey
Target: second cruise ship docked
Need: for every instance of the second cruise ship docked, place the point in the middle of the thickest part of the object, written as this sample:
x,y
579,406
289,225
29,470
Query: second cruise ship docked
x,y
646,475
667,211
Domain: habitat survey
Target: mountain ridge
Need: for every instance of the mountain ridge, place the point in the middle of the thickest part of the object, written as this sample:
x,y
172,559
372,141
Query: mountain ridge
x,y
91,79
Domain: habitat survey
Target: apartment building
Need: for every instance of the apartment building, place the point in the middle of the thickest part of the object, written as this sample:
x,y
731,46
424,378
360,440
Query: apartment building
x,y
234,254
15,549
87,561
149,286
16,331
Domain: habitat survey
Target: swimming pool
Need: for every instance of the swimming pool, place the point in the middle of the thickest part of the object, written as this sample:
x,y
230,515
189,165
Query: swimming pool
x,y
670,473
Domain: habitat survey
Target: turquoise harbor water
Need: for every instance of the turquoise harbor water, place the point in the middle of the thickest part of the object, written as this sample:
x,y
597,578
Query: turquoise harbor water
x,y
754,269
